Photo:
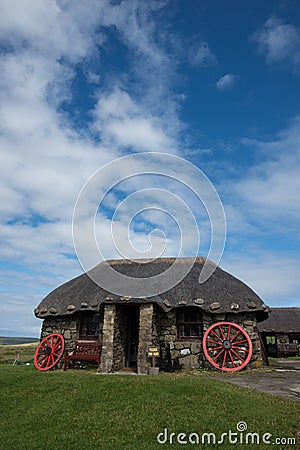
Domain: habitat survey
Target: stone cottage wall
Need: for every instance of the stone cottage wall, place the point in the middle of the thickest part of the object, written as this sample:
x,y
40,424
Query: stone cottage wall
x,y
145,337
189,353
69,327
119,340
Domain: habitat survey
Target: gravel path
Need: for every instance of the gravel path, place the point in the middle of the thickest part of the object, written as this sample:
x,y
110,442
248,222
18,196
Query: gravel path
x,y
281,378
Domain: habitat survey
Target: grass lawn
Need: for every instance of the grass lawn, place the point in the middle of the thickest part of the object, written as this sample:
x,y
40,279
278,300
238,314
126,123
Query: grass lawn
x,y
83,410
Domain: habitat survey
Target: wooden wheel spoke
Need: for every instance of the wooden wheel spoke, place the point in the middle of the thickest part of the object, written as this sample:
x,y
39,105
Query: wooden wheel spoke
x,y
241,349
219,354
213,342
221,332
213,349
224,359
228,333
237,355
239,342
231,358
235,336
218,337
42,357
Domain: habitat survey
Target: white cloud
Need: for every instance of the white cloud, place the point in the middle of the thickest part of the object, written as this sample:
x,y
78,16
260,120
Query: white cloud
x,y
44,159
123,122
279,42
201,55
226,82
273,275
271,190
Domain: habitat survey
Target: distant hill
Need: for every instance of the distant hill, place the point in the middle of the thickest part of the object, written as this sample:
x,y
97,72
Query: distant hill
x,y
16,340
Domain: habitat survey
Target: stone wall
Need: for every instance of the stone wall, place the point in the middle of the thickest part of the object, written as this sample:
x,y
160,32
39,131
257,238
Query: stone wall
x,y
145,337
68,326
106,365
188,353
119,339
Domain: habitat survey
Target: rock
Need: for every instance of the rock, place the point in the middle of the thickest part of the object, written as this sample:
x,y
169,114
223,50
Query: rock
x,y
44,310
126,298
215,305
36,311
295,391
190,361
181,345
53,310
185,352
84,305
67,334
73,326
71,307
182,302
251,305
167,303
199,301
94,305
234,306
195,347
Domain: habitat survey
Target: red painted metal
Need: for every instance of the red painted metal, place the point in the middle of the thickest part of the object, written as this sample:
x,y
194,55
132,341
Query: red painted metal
x,y
227,346
49,352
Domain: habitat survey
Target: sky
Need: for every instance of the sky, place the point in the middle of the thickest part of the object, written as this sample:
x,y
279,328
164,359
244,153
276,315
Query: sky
x,y
206,83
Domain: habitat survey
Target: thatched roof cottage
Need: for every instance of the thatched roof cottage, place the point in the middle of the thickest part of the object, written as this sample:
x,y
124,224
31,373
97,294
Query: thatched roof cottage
x,y
174,321
281,332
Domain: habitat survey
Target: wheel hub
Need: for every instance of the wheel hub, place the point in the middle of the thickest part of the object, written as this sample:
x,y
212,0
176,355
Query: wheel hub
x,y
226,344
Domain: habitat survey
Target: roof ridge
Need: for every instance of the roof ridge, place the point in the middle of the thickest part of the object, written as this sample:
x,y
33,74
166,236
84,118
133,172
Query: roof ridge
x,y
201,259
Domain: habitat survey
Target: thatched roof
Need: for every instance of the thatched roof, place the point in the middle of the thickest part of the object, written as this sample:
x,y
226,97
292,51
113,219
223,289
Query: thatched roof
x,y
221,293
281,320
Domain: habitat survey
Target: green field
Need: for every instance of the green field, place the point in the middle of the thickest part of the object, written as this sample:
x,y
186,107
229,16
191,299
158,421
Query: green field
x,y
16,340
18,352
79,409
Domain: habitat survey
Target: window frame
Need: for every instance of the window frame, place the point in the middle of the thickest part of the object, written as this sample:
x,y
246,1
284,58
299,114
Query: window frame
x,y
87,323
183,322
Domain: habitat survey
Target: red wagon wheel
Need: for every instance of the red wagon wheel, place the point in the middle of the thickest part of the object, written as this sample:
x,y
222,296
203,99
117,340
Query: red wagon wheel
x,y
227,346
49,352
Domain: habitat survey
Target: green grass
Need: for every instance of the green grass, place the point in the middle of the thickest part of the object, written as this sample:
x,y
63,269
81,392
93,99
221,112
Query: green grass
x,y
83,410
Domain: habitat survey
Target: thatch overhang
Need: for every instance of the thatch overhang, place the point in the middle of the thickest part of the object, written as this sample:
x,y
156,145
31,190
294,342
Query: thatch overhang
x,y
221,293
281,320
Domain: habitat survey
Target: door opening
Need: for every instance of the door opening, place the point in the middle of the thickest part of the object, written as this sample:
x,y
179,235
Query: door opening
x,y
132,314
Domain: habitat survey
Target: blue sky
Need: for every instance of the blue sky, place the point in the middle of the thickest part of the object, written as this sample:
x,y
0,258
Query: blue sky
x,y
84,83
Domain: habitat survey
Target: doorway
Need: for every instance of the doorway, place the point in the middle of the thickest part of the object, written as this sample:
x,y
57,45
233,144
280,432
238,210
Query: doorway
x,y
132,320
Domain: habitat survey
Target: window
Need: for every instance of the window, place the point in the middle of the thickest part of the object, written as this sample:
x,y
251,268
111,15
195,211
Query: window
x,y
89,327
189,323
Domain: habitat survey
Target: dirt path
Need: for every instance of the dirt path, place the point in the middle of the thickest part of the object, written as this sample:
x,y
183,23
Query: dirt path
x,y
281,378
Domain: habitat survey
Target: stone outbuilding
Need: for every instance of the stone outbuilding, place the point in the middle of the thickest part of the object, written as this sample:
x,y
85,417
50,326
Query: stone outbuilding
x,y
280,333
174,321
